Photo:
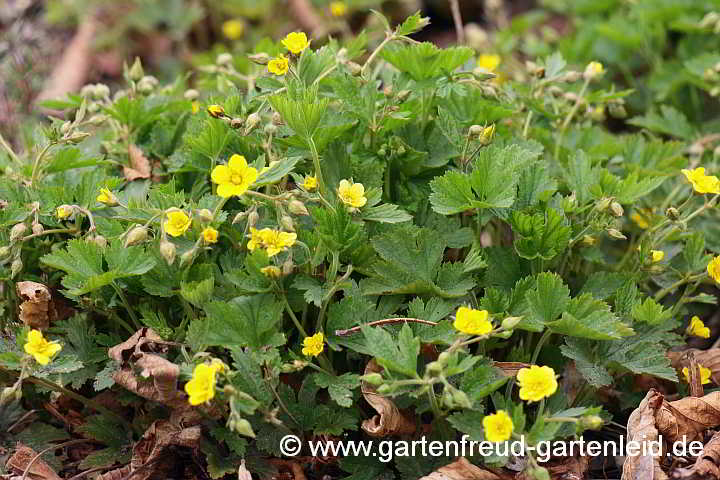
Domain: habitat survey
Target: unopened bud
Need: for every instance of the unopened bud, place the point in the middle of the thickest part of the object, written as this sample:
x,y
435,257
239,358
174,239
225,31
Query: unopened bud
x,y
603,204
616,209
614,233
224,59
205,215
252,121
672,213
100,91
276,118
9,395
243,427
617,110
461,399
388,90
136,71
373,379
16,267
384,389
403,95
592,422
4,251
447,399
593,70
287,267
444,358
238,217
487,134
260,58
37,229
434,367
65,128
510,322
167,250
237,123
187,257
100,241
147,84
253,218
270,129
588,240
77,137
475,130
297,207
354,68
136,236
191,94
17,232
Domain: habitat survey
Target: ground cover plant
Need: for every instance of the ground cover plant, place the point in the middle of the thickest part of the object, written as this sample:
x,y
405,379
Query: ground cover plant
x,y
372,238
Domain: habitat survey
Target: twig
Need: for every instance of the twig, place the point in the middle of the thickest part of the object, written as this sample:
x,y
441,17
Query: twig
x,y
457,19
379,323
54,447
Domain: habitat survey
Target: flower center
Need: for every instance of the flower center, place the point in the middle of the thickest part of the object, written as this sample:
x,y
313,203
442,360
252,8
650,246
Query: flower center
x,y
236,178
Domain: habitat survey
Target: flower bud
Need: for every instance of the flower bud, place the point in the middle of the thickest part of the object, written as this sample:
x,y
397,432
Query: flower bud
x,y
276,119
224,59
136,72
17,232
9,395
100,241
297,207
434,368
588,240
475,130
616,209
443,358
270,129
487,135
592,422
65,127
373,379
4,251
167,250
672,213
253,218
37,229
384,389
614,233
252,121
136,236
447,399
617,110
603,204
237,123
191,94
510,322
388,90
16,267
238,217
287,267
100,91
403,95
354,68
286,222
147,84
216,111
77,137
260,58
593,70
205,215
461,399
243,427
187,257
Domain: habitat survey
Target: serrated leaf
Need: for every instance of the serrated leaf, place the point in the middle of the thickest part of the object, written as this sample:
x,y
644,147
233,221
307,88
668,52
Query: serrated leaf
x,y
198,293
245,321
414,23
589,318
385,213
339,387
541,235
650,312
423,61
395,355
549,298
593,371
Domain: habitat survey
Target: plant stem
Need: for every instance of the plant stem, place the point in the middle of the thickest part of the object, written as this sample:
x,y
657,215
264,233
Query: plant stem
x,y
294,318
546,334
126,303
36,164
662,293
316,165
388,38
568,118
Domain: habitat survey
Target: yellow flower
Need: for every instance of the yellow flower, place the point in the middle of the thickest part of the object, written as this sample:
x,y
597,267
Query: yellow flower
x,y
177,223
210,235
271,271
593,69
697,328
338,9
106,197
278,65
296,42
63,212
201,388
702,183
713,269
233,29
313,346
705,374
216,111
536,383
640,220
310,183
498,427
41,350
195,107
234,178
472,322
488,61
657,255
274,241
352,194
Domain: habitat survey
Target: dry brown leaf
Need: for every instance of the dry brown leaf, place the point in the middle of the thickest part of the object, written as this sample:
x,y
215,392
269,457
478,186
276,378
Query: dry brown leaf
x,y
139,165
569,468
163,372
511,368
117,474
709,358
71,71
640,429
22,457
707,465
461,469
288,465
390,420
122,352
149,457
688,417
36,309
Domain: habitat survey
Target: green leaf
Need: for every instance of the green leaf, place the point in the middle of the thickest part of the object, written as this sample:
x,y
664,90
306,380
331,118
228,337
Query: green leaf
x,y
650,312
541,235
549,298
423,61
314,290
694,252
482,380
669,122
303,111
198,293
414,23
385,213
395,355
277,171
589,318
492,183
339,387
245,321
411,262
593,371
